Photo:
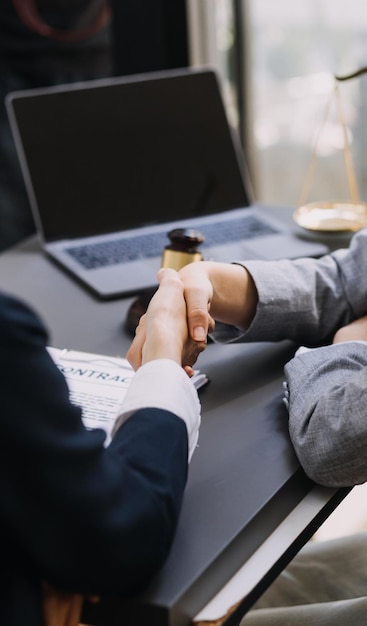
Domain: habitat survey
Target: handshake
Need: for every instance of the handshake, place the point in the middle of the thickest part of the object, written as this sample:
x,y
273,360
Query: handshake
x,y
185,307
175,326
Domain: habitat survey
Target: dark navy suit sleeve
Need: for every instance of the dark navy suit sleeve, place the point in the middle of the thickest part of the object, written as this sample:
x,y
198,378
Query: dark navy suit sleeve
x,y
87,518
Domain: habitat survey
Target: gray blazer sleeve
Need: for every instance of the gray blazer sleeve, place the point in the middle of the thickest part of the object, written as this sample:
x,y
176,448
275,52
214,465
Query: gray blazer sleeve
x,y
307,300
328,412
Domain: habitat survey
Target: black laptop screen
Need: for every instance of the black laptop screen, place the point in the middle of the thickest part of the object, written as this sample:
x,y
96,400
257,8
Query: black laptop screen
x,y
117,154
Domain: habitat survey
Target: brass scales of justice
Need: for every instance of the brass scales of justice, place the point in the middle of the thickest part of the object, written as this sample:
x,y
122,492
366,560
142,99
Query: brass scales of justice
x,y
333,216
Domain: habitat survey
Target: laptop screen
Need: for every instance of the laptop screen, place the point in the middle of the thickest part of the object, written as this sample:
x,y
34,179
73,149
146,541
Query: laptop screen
x,y
120,153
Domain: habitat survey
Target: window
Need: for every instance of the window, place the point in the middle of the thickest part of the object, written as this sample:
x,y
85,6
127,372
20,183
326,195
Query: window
x,y
290,52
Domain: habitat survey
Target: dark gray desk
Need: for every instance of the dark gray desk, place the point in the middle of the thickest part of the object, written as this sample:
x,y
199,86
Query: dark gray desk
x,y
244,479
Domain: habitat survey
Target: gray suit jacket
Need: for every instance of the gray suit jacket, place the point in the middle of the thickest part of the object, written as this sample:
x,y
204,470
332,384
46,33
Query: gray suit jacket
x,y
307,300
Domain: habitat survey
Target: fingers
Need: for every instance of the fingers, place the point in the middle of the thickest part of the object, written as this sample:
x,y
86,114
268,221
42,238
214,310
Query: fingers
x,y
198,292
162,305
189,370
197,314
134,353
191,351
163,332
192,347
197,303
60,608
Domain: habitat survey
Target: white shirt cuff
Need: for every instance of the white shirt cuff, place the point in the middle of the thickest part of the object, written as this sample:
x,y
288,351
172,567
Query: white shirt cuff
x,y
163,384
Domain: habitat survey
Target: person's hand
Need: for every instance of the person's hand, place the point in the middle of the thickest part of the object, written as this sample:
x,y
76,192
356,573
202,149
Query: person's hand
x,y
355,331
198,292
61,608
222,292
162,332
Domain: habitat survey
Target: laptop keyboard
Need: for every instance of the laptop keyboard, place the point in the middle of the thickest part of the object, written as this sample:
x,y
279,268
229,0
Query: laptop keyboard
x,y
96,255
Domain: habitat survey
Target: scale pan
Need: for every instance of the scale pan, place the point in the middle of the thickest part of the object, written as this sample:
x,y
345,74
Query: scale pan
x,y
332,217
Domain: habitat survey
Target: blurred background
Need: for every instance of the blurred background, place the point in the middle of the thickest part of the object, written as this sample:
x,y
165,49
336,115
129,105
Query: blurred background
x,y
277,60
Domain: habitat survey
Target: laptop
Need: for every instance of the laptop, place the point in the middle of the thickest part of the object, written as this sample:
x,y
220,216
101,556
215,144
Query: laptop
x,y
112,165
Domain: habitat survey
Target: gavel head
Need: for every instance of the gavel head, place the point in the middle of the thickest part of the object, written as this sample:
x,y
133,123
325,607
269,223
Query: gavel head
x,y
183,248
